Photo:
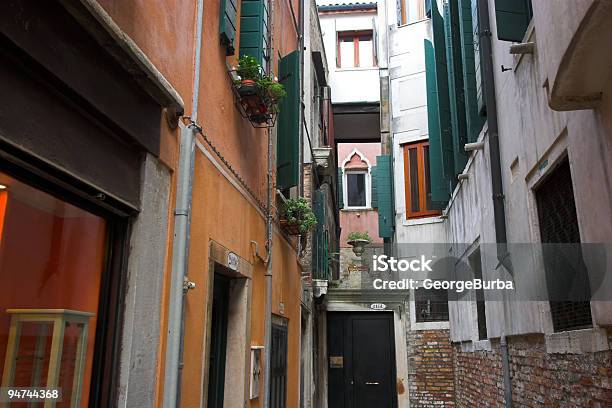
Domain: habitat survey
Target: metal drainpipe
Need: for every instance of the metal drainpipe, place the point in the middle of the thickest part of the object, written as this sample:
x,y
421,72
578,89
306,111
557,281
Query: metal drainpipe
x,y
270,202
499,212
180,250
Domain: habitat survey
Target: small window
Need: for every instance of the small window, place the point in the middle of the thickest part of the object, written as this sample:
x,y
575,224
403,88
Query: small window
x,y
431,305
417,181
355,49
481,313
412,11
356,189
559,225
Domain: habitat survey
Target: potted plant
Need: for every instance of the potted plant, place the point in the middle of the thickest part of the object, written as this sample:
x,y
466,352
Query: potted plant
x,y
359,240
259,94
297,217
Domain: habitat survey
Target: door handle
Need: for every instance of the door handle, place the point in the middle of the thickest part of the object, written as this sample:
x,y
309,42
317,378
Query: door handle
x,y
372,383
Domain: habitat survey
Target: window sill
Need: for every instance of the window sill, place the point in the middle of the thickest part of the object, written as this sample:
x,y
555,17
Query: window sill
x,y
577,341
413,23
418,326
356,209
357,69
422,221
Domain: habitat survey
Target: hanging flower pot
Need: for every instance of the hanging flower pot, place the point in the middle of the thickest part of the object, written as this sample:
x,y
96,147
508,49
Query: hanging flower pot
x,y
359,240
297,217
247,88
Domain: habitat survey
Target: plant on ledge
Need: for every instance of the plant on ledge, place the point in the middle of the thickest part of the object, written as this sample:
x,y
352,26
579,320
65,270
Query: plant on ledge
x,y
258,93
297,217
359,240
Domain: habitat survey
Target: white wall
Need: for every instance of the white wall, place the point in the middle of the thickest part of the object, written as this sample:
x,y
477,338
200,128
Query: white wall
x,y
349,84
532,139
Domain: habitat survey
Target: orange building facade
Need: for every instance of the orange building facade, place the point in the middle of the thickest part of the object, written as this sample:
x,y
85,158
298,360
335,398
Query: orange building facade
x,y
123,223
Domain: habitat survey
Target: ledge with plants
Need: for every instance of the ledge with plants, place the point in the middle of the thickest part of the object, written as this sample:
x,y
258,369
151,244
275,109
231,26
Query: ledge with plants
x,y
258,94
297,218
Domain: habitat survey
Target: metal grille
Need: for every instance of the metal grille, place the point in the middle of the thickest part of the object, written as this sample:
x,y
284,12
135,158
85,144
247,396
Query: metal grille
x,y
278,367
559,224
431,305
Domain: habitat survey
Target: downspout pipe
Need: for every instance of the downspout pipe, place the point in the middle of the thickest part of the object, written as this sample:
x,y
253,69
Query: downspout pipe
x,y
180,249
499,212
269,236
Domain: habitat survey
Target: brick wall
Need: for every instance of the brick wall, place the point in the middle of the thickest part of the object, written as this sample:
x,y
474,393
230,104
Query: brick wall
x,y
430,369
539,379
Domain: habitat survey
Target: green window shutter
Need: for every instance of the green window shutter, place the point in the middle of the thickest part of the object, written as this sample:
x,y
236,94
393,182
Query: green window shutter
x,y
384,189
471,88
254,29
438,115
227,25
455,81
477,66
321,243
513,17
340,192
288,131
374,182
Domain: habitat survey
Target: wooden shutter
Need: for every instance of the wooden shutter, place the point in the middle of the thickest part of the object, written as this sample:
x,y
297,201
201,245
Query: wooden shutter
x,y
474,121
227,25
340,191
374,182
253,29
386,210
321,244
288,132
455,81
513,17
438,115
477,67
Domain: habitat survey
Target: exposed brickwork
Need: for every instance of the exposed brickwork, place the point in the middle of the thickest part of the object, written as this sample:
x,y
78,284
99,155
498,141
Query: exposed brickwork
x,y
430,368
478,377
539,379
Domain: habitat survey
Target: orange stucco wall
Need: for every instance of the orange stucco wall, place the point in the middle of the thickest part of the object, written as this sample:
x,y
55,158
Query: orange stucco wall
x,y
165,31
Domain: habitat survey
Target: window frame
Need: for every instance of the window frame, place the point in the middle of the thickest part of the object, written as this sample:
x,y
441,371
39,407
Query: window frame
x,y
368,187
423,211
403,17
355,36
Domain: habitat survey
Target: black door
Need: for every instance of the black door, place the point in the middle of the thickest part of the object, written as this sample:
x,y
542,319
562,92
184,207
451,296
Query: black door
x,y
218,342
361,360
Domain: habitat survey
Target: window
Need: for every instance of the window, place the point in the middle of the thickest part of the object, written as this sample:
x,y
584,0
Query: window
x,y
481,314
278,365
355,49
356,188
53,265
564,266
417,181
513,18
431,305
412,11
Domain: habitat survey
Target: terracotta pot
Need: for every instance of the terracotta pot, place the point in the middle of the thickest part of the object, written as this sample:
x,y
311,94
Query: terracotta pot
x,y
247,87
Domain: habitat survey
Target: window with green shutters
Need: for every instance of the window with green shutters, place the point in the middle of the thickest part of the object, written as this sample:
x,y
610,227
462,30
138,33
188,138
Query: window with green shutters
x,y
254,30
512,17
456,85
472,86
320,238
374,182
384,192
441,149
227,25
288,123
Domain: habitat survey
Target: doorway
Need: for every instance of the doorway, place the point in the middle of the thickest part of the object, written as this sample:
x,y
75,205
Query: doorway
x,y
218,341
361,360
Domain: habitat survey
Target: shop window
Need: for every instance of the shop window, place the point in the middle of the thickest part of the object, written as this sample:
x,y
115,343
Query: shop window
x,y
355,49
431,305
412,11
559,225
417,181
52,261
